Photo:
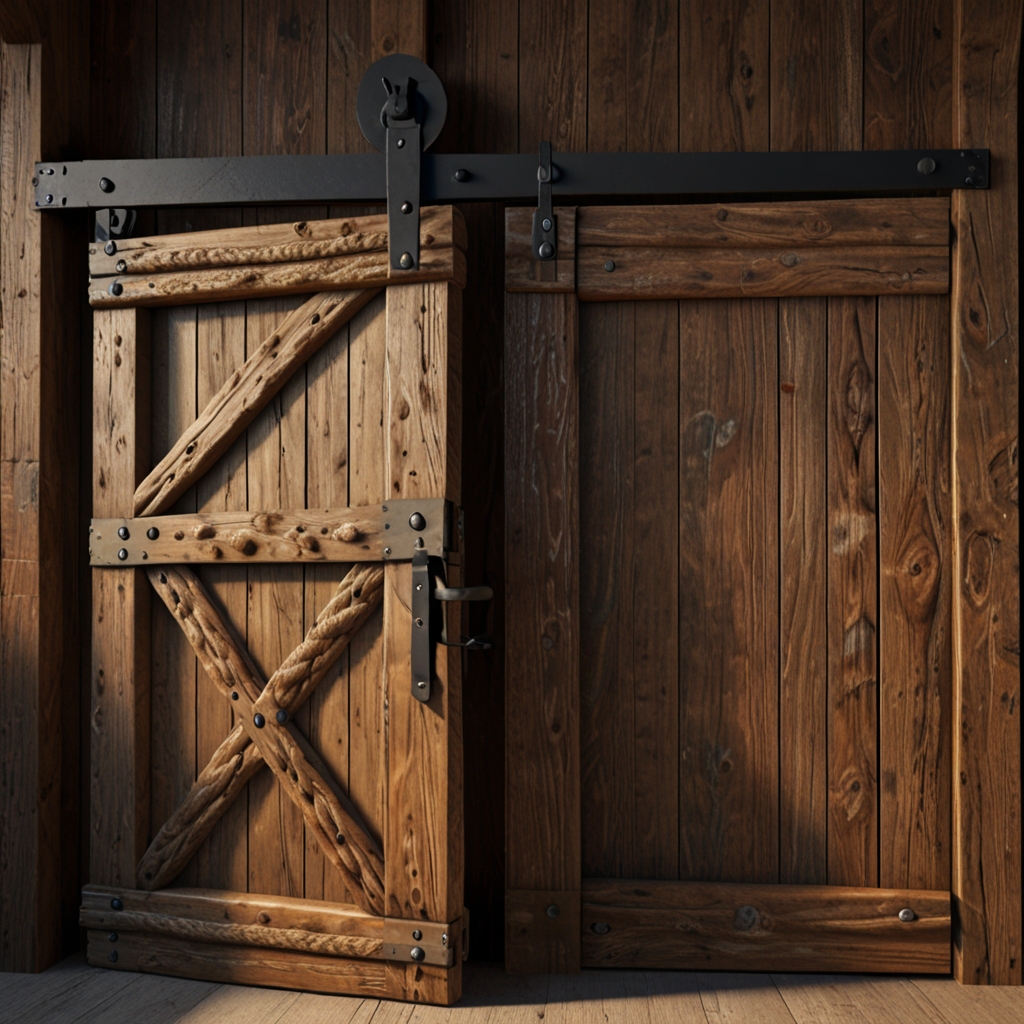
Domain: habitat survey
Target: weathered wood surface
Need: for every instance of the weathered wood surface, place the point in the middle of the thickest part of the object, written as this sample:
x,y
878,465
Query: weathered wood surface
x,y
827,222
986,581
246,392
713,926
673,273
441,227
523,273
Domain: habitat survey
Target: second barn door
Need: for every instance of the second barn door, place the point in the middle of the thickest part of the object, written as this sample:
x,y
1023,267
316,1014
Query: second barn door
x,y
728,560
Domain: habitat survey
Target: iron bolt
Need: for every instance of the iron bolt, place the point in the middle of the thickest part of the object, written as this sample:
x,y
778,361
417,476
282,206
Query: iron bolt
x,y
421,684
553,911
417,935
416,521
116,288
609,265
123,554
400,143
112,937
419,622
967,181
546,250
926,165
234,695
546,224
387,551
116,904
258,720
406,261
121,266
112,956
49,199
907,915
600,928
407,207
122,532
282,716
417,953
152,533
106,185
461,174
110,248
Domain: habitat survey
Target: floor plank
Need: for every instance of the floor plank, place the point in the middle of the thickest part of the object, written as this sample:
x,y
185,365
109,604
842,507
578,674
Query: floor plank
x,y
979,1004
311,1008
674,998
239,1004
67,1004
742,999
849,999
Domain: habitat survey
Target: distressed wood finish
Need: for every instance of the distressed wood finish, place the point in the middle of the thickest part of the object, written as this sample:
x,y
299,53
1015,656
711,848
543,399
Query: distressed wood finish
x,y
523,273
712,926
287,347
671,273
986,581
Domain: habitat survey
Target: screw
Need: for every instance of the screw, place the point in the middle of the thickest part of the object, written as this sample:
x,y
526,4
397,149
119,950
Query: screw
x,y
600,928
968,181
49,199
112,937
122,532
112,956
116,288
387,551
407,207
234,695
416,521
417,953
907,915
106,185
417,935
110,248
123,554
258,720
121,266
406,261
400,143
926,165
609,265
419,622
553,911
421,684
546,250
461,174
116,904
152,533
546,224
282,716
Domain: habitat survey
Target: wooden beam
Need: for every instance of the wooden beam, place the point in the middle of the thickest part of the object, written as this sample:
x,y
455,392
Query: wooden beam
x,y
986,595
719,925
542,631
244,394
523,273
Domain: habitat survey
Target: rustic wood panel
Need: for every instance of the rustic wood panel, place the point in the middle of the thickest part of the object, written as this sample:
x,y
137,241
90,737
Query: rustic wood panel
x,y
728,605
542,656
914,593
606,272
399,26
852,501
525,274
986,584
803,773
712,926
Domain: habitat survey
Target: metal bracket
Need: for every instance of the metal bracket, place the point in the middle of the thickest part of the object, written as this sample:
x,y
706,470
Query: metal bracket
x,y
112,224
404,144
545,226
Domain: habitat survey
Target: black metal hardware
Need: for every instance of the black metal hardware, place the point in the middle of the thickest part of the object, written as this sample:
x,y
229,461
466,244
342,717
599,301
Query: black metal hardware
x,y
545,236
112,224
422,647
463,593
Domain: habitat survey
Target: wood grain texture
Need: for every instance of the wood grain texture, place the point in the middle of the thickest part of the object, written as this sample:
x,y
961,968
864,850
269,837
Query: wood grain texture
x,y
803,772
289,343
399,26
542,796
724,76
915,579
986,582
673,273
542,928
728,603
712,926
120,605
800,224
852,500
523,273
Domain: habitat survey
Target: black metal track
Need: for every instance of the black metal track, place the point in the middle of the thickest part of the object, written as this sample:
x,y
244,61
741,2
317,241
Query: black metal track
x,y
360,178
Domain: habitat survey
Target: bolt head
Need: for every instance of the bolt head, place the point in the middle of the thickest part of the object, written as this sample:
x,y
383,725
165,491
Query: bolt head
x,y
112,937
417,953
116,288
546,250
116,904
461,174
123,554
421,684
106,185
407,207
49,199
907,915
417,522
400,143
925,165
122,532
387,551
282,716
258,720
417,935
967,181
110,248
121,266
609,265
546,224
234,695
553,911
112,956
152,533
405,262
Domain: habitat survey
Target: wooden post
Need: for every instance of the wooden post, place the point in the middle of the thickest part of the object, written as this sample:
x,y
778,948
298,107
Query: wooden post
x,y
423,830
986,596
41,266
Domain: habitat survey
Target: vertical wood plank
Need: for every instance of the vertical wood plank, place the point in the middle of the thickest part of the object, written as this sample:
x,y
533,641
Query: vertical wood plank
x,y
349,54
986,594
914,592
803,774
852,594
399,26
423,830
120,603
542,799
728,607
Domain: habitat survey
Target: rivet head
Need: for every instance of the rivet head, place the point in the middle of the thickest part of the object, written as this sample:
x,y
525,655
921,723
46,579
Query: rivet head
x,y
400,143
112,956
387,551
907,915
600,927
49,199
123,554
417,934
553,911
546,250
110,248
152,533
234,695
116,288
116,904
461,174
419,622
282,716
417,953
122,532
405,262
546,224
967,181
112,937
421,684
258,720
416,521
926,165
406,207
121,266
609,265
106,185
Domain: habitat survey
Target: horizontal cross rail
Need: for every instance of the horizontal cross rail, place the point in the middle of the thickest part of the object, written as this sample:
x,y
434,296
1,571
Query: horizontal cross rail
x,y
447,178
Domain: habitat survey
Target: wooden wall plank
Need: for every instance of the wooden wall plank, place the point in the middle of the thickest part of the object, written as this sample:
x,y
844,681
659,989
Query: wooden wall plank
x,y
914,593
120,605
399,26
728,604
852,560
986,594
803,773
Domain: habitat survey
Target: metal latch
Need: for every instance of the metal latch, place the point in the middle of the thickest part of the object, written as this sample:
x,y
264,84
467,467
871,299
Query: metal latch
x,y
545,226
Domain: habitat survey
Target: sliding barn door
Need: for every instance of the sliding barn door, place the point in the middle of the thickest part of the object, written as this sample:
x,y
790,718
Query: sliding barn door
x,y
276,798
729,588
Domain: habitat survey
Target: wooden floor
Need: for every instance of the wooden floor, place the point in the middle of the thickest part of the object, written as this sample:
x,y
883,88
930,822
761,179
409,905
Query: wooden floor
x,y
74,993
